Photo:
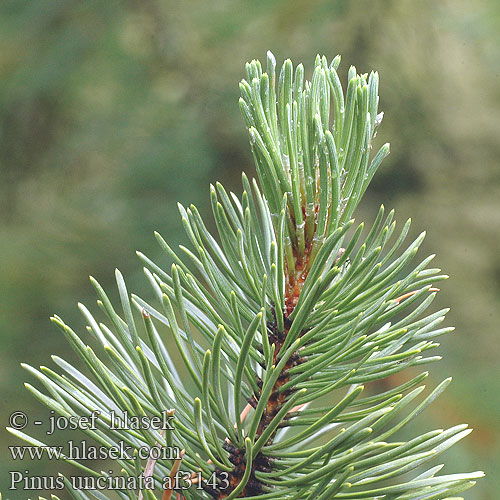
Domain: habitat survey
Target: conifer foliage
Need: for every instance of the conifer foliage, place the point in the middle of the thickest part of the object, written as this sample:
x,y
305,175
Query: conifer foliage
x,y
265,342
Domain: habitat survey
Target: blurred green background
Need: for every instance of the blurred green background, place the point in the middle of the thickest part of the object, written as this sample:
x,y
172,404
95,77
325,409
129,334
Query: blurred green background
x,y
112,111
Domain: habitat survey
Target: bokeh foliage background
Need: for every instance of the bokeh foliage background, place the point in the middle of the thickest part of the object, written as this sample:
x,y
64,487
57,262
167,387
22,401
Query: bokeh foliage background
x,y
112,111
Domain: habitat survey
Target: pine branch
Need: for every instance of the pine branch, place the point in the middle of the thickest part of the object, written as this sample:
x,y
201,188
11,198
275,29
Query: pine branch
x,y
280,322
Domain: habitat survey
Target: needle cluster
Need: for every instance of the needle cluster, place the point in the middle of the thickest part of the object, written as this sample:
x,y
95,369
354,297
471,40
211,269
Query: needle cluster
x,y
268,339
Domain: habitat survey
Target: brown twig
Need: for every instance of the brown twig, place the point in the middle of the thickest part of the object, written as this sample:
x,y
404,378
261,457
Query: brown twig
x,y
409,294
150,467
167,494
